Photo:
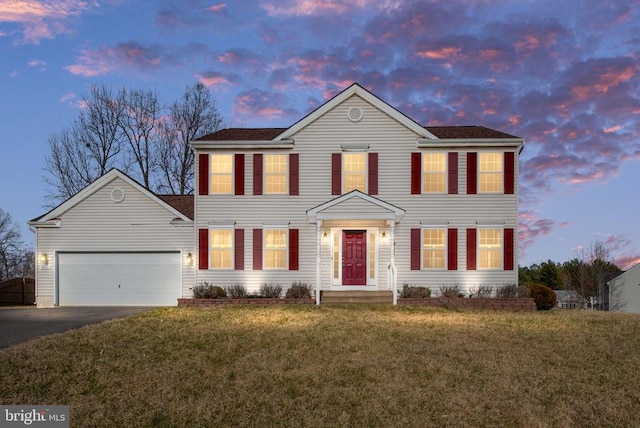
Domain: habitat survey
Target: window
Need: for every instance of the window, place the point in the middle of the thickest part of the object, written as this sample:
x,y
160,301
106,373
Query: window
x,y
354,172
434,169
276,172
433,248
275,249
490,248
221,174
490,172
221,251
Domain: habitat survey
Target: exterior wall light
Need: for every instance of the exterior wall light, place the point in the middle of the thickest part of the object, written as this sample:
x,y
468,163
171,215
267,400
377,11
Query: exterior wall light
x,y
189,259
44,259
385,237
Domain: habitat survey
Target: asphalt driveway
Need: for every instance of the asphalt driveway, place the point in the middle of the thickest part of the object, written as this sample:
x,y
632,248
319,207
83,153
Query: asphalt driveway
x,y
20,325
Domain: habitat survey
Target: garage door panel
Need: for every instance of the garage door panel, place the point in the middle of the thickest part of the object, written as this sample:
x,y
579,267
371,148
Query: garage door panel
x,y
119,279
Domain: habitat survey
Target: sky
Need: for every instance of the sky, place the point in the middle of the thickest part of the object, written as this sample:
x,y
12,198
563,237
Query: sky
x,y
563,75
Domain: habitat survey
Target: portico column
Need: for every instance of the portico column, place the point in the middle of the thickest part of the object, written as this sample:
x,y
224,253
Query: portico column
x,y
318,259
392,239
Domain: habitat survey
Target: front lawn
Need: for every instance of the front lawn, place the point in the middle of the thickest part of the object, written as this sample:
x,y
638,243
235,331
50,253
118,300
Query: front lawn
x,y
336,366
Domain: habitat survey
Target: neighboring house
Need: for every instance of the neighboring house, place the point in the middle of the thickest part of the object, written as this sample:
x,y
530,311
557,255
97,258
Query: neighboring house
x,y
354,196
624,291
115,243
357,196
570,299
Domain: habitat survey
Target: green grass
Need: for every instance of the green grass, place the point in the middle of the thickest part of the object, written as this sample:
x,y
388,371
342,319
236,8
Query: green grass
x,y
336,366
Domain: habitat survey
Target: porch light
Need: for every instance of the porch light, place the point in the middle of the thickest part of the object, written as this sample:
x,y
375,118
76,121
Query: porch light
x,y
189,259
325,236
44,259
385,237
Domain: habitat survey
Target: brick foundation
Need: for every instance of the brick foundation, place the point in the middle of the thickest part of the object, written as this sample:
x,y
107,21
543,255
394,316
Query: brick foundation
x,y
221,302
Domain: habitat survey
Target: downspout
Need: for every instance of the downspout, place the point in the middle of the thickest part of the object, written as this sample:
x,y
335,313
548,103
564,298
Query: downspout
x,y
318,260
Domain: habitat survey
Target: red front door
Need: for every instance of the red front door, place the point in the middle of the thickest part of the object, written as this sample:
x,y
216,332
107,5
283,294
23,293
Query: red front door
x,y
354,257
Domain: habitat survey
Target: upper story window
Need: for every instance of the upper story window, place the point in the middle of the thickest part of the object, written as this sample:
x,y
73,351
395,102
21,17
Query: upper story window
x,y
275,249
490,248
354,172
221,174
221,248
276,171
433,248
490,172
434,172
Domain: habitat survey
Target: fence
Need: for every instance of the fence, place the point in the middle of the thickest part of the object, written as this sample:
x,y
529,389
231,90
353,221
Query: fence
x,y
18,291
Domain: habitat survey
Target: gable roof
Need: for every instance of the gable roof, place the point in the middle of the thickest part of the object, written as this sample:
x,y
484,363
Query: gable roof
x,y
176,204
388,211
280,137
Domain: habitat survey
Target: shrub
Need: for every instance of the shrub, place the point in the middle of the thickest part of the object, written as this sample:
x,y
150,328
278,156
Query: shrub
x,y
415,292
544,297
299,290
450,291
483,291
270,290
237,291
507,291
208,291
523,291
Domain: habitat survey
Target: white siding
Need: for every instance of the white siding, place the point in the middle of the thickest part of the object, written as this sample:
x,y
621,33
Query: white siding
x,y
98,224
394,143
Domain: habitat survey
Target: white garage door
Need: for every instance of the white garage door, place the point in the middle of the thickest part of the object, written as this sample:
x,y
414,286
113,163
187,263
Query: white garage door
x,y
118,279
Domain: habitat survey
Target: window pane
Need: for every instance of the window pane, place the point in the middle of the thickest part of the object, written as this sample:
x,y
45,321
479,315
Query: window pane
x,y
275,174
372,255
355,173
275,244
490,172
433,172
433,248
336,256
490,248
221,173
221,247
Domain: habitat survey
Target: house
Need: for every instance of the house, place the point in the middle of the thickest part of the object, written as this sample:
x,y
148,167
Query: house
x,y
353,196
570,299
624,291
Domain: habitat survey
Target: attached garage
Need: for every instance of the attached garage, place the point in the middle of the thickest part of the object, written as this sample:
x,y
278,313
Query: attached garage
x,y
119,279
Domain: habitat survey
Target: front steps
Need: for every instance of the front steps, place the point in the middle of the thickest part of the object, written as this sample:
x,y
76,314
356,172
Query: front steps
x,y
342,297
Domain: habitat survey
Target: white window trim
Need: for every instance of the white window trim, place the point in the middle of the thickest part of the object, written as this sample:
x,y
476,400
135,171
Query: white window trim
x,y
211,173
366,170
265,174
446,249
225,226
480,173
478,248
446,173
266,228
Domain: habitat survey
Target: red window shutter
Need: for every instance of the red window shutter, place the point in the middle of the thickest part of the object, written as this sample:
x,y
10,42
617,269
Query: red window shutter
x,y
415,249
203,174
471,249
452,249
336,173
239,174
416,173
453,173
238,242
294,174
508,249
472,173
509,173
293,249
203,249
373,174
257,173
257,249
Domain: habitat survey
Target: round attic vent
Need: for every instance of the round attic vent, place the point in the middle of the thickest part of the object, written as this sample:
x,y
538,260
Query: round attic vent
x,y
117,195
355,114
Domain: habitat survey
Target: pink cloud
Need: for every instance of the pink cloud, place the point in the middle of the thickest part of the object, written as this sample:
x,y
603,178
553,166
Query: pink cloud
x,y
43,19
221,7
106,59
531,227
264,105
212,79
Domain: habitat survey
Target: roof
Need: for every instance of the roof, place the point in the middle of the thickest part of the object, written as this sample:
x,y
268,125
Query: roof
x,y
243,134
183,203
470,132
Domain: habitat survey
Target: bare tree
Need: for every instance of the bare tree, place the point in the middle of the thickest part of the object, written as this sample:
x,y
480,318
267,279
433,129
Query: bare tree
x,y
194,116
140,126
11,251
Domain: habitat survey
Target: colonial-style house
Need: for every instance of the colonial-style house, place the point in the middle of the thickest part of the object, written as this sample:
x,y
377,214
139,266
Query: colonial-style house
x,y
354,196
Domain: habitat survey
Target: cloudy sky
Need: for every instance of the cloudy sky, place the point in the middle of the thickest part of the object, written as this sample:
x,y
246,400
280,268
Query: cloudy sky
x,y
564,75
